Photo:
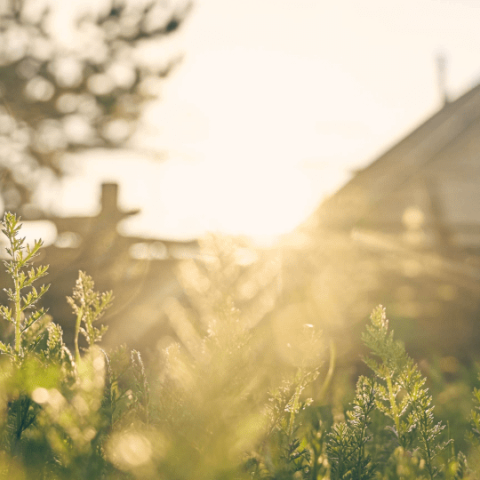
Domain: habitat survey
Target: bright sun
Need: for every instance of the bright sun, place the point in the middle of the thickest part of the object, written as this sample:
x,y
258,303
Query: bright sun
x,y
238,141
242,152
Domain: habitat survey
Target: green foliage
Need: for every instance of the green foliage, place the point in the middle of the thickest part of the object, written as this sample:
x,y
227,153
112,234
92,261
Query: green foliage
x,y
89,306
347,442
475,432
21,258
284,452
401,394
51,405
221,406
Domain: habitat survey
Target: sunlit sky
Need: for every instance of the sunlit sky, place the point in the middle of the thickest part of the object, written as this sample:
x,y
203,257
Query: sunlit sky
x,y
274,105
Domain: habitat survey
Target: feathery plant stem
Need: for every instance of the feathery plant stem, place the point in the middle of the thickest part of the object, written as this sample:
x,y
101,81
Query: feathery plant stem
x,y
11,232
363,429
331,369
402,395
78,323
88,306
394,408
346,445
142,391
425,440
294,409
18,312
21,257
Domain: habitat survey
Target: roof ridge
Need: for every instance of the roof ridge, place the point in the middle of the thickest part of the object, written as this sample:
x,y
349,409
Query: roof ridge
x,y
369,185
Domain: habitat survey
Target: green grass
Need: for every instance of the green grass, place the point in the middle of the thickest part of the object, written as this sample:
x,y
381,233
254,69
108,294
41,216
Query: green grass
x,y
219,407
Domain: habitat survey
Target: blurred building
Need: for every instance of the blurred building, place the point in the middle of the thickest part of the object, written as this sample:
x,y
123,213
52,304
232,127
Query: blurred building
x,y
413,216
140,271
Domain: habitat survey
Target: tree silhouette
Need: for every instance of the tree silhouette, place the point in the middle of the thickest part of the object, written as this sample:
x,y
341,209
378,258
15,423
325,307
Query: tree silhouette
x,y
72,77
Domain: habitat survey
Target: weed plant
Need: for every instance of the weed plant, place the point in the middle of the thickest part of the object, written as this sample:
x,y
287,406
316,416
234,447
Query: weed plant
x,y
217,407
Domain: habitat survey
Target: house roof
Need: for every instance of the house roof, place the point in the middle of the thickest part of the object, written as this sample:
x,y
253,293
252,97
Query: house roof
x,y
400,163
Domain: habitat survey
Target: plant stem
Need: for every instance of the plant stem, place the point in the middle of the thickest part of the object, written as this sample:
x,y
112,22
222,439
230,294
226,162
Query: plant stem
x,y
18,314
393,405
331,370
293,412
427,445
77,331
361,450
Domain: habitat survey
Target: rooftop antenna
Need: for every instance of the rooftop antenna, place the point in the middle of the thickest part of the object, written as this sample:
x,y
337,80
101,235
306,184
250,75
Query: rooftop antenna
x,y
441,62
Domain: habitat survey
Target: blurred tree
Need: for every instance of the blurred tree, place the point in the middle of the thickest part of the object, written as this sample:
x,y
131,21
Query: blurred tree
x,y
75,75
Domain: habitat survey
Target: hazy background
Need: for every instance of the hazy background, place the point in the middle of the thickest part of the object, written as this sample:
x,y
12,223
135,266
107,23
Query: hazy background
x,y
274,105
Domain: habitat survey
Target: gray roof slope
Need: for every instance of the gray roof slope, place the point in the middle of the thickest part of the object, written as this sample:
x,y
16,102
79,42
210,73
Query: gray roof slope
x,y
370,185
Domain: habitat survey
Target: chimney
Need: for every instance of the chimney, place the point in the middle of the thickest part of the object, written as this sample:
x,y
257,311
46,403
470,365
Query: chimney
x,y
441,62
109,200
109,204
